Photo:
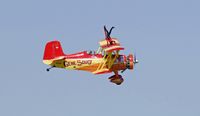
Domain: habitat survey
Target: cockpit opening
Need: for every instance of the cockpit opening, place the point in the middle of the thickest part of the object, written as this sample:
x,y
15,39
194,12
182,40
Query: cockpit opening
x,y
91,52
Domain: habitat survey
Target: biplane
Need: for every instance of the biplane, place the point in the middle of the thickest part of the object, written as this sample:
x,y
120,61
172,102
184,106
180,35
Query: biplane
x,y
105,60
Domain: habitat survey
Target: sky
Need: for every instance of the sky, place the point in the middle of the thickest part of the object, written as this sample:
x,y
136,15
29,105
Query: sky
x,y
164,35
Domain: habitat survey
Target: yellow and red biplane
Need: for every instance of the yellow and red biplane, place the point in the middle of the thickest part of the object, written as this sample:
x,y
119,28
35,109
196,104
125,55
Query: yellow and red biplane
x,y
105,60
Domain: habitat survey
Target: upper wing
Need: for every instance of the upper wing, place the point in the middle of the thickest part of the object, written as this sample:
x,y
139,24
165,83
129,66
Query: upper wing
x,y
109,45
111,48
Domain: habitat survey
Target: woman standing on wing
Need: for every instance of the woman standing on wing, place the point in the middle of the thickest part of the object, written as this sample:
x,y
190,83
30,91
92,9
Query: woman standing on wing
x,y
107,36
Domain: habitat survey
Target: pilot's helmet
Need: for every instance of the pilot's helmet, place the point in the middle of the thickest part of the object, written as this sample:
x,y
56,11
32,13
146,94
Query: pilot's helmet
x,y
89,52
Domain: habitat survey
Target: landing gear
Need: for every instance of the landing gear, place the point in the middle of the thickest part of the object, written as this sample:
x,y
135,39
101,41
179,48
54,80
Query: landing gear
x,y
116,79
48,69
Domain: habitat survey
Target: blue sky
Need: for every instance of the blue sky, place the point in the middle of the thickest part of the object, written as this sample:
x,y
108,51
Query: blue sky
x,y
164,34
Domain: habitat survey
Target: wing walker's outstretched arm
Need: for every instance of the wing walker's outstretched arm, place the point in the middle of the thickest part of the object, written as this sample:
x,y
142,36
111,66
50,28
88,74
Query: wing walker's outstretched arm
x,y
107,35
106,32
110,31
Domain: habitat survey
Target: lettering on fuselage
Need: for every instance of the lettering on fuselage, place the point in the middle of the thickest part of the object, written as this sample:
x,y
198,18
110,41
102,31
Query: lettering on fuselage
x,y
69,63
77,62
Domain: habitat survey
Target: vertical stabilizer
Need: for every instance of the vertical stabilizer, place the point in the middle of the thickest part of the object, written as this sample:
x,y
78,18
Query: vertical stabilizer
x,y
52,50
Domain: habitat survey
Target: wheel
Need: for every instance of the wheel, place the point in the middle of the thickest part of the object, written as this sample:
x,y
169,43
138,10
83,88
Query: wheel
x,y
117,80
121,81
120,76
118,83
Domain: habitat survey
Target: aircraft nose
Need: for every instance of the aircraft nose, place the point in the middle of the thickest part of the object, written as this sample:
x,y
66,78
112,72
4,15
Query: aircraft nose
x,y
130,61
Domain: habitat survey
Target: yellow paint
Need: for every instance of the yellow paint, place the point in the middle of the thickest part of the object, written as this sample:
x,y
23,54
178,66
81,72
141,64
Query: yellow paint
x,y
112,47
80,63
104,42
95,65
112,60
73,64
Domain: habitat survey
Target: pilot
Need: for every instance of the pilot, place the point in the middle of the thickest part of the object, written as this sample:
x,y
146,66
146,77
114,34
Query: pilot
x,y
90,52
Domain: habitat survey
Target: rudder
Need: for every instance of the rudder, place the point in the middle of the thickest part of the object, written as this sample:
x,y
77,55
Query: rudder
x,y
52,50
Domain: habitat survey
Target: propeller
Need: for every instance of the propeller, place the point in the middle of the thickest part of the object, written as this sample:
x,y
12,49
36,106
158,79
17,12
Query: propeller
x,y
135,59
130,62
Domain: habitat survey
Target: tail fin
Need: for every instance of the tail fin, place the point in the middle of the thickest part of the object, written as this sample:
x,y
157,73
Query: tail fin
x,y
52,49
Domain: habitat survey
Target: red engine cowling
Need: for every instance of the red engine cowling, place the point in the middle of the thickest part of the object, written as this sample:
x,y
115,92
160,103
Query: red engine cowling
x,y
130,62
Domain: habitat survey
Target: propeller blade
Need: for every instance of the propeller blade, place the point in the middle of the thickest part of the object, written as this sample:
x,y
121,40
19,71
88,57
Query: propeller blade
x,y
135,59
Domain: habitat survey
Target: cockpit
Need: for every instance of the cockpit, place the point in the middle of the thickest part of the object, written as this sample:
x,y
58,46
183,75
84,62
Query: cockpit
x,y
120,59
91,52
